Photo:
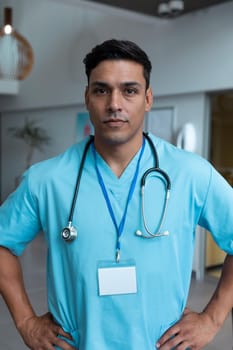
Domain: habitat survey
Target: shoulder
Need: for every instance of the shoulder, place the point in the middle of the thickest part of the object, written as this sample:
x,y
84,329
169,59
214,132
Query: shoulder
x,y
57,167
181,162
168,150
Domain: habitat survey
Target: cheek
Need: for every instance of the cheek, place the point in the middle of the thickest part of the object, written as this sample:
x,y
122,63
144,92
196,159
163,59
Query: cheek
x,y
139,110
96,107
95,115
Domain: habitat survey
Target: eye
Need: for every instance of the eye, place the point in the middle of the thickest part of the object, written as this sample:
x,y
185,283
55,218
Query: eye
x,y
130,91
100,91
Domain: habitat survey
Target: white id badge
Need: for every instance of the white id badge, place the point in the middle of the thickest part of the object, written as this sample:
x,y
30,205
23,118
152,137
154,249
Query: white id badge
x,y
117,278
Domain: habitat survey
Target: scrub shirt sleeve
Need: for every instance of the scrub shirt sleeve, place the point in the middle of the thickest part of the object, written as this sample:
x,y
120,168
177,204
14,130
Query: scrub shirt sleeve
x,y
19,219
217,213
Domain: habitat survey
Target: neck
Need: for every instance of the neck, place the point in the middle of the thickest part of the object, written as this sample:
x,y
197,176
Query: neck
x,y
118,156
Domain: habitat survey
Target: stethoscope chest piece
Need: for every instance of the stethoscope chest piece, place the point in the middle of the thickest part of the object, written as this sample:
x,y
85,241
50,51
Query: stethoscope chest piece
x,y
69,233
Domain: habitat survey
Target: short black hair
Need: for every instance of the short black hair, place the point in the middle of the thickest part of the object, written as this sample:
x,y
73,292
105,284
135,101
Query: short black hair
x,y
114,49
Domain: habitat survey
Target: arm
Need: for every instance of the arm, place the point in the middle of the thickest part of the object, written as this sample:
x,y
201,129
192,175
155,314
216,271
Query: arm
x,y
196,330
222,301
38,333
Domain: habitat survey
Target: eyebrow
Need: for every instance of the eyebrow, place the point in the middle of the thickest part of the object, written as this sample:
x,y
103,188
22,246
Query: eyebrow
x,y
125,84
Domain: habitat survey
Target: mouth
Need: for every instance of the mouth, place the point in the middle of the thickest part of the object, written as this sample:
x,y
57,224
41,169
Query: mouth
x,y
114,123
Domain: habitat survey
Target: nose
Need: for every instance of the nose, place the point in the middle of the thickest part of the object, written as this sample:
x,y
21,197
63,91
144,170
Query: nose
x,y
115,102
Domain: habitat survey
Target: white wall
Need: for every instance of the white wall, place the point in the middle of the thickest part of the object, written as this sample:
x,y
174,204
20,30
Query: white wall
x,y
190,54
195,52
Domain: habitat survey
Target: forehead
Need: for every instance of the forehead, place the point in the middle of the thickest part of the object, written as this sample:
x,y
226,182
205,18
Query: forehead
x,y
111,71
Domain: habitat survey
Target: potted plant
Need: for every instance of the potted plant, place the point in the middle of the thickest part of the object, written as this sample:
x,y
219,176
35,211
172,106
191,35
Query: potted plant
x,y
33,135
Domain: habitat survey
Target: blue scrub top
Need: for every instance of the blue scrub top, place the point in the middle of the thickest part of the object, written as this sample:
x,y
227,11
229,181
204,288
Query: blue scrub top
x,y
199,195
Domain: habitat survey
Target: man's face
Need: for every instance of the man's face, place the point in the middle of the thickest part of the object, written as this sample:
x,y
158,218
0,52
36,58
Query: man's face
x,y
117,100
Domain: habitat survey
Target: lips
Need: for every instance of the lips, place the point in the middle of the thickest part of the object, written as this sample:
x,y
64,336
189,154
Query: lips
x,y
115,122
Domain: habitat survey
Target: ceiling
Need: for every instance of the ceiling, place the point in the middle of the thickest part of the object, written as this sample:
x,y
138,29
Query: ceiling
x,y
150,7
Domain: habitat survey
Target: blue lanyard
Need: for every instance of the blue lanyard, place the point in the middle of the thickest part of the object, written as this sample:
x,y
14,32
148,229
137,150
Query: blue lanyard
x,y
119,229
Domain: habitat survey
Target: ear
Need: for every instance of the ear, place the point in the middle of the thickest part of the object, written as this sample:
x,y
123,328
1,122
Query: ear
x,y
149,99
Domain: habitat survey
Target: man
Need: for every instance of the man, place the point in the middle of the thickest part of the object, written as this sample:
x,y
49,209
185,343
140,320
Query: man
x,y
109,288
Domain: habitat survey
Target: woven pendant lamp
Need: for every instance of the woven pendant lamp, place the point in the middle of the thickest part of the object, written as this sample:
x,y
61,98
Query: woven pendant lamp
x,y
16,54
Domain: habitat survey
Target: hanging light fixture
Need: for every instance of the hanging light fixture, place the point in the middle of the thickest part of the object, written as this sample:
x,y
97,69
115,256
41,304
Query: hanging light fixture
x,y
163,9
170,8
176,7
16,54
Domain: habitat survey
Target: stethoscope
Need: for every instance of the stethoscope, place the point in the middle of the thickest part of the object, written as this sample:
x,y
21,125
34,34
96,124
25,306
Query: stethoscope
x,y
69,233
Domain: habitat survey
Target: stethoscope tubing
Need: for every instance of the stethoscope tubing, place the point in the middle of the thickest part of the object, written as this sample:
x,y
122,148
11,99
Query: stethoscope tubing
x,y
77,185
159,233
156,169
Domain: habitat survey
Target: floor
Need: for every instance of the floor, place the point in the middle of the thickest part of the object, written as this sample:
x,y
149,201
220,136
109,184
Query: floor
x,y
33,262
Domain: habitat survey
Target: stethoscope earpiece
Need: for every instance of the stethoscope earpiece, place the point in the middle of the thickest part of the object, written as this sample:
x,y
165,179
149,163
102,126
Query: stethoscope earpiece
x,y
138,233
166,233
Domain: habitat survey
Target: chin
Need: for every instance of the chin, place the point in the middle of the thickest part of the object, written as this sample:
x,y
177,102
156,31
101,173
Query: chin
x,y
118,138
